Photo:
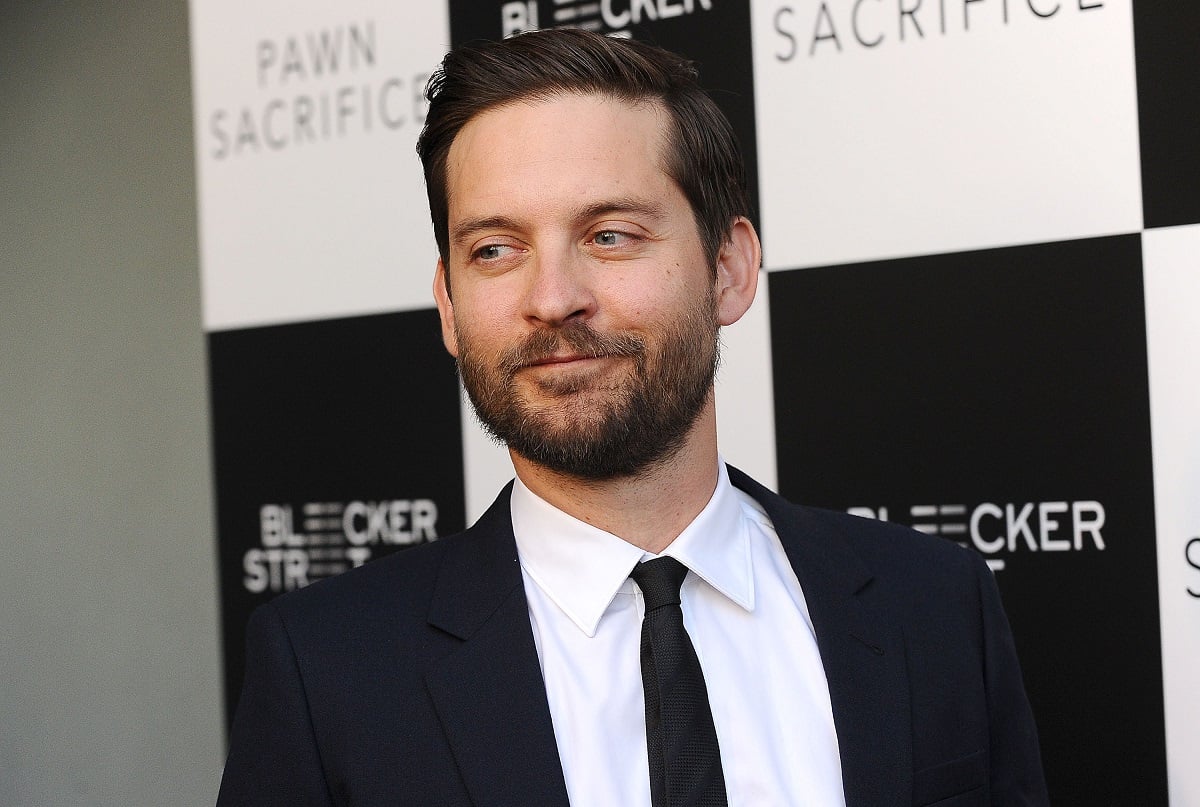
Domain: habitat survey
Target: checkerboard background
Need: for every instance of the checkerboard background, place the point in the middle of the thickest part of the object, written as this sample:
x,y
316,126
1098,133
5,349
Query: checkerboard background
x,y
980,222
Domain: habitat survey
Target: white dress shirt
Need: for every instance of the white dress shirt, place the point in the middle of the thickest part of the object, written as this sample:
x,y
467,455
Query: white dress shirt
x,y
747,617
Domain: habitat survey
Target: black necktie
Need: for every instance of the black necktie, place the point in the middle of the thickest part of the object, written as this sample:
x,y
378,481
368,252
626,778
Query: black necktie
x,y
685,762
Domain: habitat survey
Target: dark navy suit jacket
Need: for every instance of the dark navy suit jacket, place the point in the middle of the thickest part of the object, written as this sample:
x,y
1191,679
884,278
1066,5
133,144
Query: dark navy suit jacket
x,y
414,680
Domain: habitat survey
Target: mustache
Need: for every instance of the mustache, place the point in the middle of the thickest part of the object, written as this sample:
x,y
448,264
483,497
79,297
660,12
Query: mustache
x,y
579,337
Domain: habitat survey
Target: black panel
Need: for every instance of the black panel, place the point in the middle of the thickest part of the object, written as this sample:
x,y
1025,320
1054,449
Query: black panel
x,y
976,394
335,442
1167,37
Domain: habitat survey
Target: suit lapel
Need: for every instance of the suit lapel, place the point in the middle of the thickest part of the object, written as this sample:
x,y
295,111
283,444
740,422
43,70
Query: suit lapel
x,y
489,692
862,650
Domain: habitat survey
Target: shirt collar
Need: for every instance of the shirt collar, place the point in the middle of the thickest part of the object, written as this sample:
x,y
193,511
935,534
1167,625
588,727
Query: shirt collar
x,y
581,568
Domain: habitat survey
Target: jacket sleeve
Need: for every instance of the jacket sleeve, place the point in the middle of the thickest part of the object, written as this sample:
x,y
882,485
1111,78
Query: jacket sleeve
x,y
273,754
1016,761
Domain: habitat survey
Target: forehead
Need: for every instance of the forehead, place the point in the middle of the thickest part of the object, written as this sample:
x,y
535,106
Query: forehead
x,y
562,146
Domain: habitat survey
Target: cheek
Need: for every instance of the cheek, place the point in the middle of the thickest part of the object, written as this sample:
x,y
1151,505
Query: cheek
x,y
482,328
645,298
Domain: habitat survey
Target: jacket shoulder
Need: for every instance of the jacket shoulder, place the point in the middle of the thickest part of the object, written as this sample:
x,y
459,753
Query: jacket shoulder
x,y
887,543
401,579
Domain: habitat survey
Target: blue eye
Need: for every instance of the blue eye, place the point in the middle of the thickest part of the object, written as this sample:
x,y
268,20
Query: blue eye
x,y
491,252
608,238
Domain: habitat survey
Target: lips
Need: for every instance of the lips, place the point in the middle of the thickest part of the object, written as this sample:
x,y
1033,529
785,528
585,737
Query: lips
x,y
552,360
574,342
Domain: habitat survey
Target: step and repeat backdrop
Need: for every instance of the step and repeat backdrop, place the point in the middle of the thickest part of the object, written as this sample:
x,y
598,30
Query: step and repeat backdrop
x,y
981,314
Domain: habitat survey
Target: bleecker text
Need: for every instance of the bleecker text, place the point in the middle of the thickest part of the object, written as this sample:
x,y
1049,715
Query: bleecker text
x,y
620,13
1000,530
333,538
612,17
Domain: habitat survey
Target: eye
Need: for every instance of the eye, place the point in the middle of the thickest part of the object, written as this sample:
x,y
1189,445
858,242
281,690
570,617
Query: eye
x,y
491,252
610,238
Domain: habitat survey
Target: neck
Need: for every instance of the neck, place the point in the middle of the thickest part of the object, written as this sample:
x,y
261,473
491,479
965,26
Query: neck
x,y
649,509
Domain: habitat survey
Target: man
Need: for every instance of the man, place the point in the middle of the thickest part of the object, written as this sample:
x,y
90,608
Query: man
x,y
589,208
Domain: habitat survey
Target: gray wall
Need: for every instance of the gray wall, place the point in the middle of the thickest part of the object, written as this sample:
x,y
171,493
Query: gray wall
x,y
109,663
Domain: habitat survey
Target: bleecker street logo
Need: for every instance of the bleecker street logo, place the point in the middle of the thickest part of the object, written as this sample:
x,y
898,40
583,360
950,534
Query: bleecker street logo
x,y
611,17
330,538
1004,530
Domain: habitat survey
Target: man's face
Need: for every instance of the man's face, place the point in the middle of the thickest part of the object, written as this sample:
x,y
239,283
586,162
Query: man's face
x,y
581,308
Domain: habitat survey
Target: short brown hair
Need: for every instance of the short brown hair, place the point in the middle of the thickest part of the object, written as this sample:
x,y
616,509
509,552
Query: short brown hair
x,y
703,156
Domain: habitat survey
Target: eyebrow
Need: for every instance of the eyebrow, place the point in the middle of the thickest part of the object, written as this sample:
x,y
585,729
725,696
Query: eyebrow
x,y
644,207
465,229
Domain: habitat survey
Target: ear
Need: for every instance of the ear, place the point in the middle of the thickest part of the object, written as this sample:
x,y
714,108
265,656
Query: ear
x,y
737,271
441,293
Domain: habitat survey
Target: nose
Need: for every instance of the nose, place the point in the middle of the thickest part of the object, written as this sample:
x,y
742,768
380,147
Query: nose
x,y
558,289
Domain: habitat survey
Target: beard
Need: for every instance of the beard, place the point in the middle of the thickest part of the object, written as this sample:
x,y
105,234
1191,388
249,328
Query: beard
x,y
598,426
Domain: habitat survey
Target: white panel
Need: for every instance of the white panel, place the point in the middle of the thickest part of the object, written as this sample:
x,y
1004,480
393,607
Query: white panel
x,y
311,197
745,403
486,464
991,126
1173,332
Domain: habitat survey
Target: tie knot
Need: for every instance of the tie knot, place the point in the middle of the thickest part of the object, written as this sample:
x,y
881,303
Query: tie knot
x,y
659,580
